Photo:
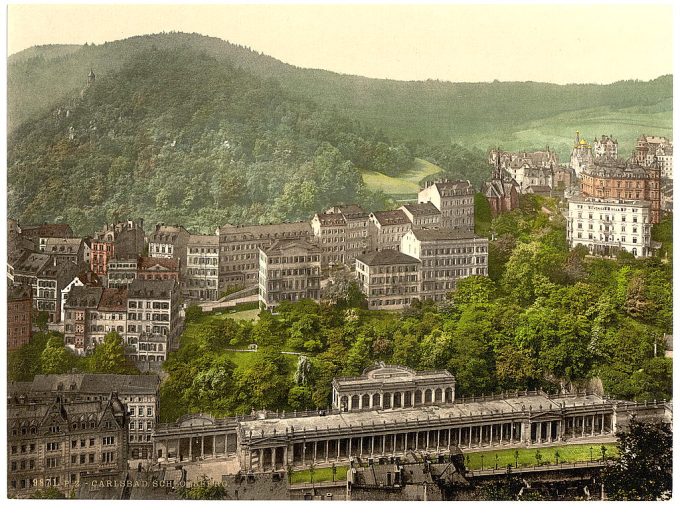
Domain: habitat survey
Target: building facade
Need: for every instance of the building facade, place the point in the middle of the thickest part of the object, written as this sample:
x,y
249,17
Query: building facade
x,y
153,319
240,250
121,272
422,214
446,256
201,277
389,279
289,270
386,229
330,235
655,150
139,393
581,155
455,200
19,312
169,242
608,226
56,443
606,147
123,240
393,386
624,180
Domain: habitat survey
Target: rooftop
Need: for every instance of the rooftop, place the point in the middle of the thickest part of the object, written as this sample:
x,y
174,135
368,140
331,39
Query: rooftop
x,y
421,209
285,245
90,383
114,300
386,257
436,233
203,240
390,374
391,217
150,289
69,246
84,297
158,264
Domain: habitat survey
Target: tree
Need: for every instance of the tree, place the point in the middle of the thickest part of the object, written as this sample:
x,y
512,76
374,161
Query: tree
x,y
109,357
56,359
48,493
644,468
193,313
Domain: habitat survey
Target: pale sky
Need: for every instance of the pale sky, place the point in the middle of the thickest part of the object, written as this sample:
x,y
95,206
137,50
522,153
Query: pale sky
x,y
461,43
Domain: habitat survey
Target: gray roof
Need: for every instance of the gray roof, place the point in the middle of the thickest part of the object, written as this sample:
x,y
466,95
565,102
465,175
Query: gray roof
x,y
268,230
203,240
69,246
33,263
436,233
282,245
421,209
386,257
84,297
391,217
96,383
151,289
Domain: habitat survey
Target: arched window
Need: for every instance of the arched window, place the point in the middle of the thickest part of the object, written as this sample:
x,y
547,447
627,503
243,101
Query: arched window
x,y
428,396
438,395
365,401
376,400
355,402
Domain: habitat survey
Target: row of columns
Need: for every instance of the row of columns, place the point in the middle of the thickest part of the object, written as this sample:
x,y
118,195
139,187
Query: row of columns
x,y
483,435
389,400
334,450
196,447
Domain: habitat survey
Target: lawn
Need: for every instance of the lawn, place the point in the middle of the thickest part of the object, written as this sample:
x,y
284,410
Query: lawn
x,y
404,185
244,315
320,475
527,457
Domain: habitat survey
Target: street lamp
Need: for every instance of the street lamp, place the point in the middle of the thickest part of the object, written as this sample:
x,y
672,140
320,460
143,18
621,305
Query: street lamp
x,y
591,455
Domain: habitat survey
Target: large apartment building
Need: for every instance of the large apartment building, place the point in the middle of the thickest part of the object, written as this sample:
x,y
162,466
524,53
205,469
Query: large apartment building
x,y
446,256
19,311
386,229
240,250
153,316
653,150
122,240
615,179
455,200
330,234
169,242
389,279
139,393
289,270
56,443
608,226
201,276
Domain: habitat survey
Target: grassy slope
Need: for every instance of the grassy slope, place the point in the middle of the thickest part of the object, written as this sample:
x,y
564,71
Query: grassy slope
x,y
407,183
559,131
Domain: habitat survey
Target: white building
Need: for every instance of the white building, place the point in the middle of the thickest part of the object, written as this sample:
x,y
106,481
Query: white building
x,y
607,226
454,199
447,256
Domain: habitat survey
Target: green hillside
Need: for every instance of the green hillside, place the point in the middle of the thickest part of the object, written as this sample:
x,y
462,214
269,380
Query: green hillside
x,y
407,183
472,114
177,136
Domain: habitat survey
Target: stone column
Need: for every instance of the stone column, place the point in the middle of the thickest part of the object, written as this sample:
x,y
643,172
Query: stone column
x,y
190,449
470,440
285,455
383,445
304,452
460,436
261,459
438,436
326,453
213,445
250,459
314,460
394,446
427,439
349,448
602,426
202,446
583,426
525,432
337,442
592,427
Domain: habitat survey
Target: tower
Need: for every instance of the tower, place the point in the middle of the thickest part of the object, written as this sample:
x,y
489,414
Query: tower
x,y
90,77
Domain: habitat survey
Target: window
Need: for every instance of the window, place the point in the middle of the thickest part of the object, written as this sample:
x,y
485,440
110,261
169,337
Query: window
x,y
149,411
108,440
53,446
91,457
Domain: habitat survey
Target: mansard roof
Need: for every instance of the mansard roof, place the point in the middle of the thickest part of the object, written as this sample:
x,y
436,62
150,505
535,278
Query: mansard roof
x,y
436,233
386,257
421,209
151,289
284,245
391,217
84,297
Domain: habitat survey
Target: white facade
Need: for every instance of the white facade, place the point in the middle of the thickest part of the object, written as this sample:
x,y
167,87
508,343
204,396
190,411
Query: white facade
x,y
607,226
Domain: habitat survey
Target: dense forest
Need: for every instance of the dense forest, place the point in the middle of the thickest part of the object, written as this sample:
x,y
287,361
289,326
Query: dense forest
x,y
545,317
173,137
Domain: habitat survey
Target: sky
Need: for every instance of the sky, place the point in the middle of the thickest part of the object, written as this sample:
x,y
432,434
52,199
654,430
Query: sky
x,y
571,43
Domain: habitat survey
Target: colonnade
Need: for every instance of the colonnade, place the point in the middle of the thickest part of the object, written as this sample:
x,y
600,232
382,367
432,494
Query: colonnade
x,y
398,399
196,446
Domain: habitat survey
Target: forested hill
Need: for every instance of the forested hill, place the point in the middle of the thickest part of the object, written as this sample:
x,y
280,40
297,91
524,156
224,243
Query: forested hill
x,y
177,136
479,114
